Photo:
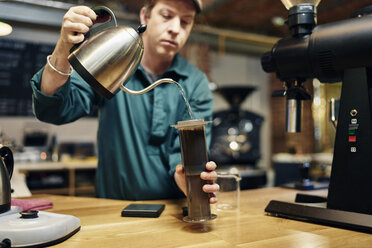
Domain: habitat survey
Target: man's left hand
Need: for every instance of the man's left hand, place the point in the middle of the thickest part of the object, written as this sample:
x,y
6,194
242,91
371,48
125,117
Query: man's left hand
x,y
209,175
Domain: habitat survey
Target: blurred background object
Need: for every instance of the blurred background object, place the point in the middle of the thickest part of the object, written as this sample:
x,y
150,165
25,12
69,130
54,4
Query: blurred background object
x,y
236,137
5,28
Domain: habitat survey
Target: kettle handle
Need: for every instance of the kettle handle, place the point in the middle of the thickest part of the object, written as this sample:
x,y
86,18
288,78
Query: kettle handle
x,y
7,156
100,11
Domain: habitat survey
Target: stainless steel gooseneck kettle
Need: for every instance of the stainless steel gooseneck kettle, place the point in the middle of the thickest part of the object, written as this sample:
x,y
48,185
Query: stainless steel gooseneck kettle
x,y
109,55
6,170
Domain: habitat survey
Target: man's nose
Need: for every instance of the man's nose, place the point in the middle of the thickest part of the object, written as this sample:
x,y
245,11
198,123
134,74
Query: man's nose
x,y
175,25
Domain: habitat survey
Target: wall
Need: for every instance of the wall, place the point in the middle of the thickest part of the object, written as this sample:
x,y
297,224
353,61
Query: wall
x,y
243,70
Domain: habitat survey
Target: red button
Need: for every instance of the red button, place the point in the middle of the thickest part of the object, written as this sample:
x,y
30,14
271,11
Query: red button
x,y
352,138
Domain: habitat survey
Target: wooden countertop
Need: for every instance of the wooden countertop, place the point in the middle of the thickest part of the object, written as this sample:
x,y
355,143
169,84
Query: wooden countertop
x,y
102,225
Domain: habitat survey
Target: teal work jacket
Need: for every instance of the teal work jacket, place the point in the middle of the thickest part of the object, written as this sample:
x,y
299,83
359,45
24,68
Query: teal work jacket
x,y
137,148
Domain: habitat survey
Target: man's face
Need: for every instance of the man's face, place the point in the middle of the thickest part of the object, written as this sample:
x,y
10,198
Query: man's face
x,y
168,27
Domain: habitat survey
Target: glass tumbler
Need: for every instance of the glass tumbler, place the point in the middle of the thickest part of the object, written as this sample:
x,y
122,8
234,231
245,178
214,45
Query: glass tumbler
x,y
229,193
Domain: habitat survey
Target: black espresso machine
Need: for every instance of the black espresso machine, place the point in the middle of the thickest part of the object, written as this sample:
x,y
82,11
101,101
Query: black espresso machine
x,y
334,52
235,141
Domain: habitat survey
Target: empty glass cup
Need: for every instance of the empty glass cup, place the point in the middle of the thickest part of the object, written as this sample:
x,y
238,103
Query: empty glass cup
x,y
194,158
229,194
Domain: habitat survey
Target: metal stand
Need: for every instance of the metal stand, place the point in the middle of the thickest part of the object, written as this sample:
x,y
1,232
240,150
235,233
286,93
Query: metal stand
x,y
321,215
305,183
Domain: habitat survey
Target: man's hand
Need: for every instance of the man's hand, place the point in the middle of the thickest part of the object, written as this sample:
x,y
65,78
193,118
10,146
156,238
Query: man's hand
x,y
76,22
210,175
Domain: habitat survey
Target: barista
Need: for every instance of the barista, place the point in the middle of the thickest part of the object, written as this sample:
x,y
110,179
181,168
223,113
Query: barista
x,y
138,152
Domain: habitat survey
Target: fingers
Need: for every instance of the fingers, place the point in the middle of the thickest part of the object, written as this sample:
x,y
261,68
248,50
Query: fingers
x,y
179,169
211,188
78,18
84,11
212,198
211,166
77,22
75,38
210,176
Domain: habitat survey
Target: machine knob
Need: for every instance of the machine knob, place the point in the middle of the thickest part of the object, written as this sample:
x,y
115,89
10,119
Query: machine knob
x,y
141,28
29,214
267,62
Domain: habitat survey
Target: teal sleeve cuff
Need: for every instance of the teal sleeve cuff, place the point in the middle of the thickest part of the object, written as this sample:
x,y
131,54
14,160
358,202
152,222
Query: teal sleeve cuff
x,y
42,98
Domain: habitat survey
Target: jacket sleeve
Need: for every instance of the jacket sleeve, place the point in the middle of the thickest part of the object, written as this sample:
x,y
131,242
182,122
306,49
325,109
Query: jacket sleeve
x,y
73,100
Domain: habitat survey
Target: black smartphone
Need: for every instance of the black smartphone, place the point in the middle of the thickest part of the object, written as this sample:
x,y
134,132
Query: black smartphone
x,y
142,210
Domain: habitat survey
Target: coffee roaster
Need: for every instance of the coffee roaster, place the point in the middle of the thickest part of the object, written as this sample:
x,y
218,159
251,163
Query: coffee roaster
x,y
339,51
236,137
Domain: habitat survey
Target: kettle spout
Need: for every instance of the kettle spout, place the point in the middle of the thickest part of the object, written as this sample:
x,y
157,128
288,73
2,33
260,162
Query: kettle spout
x,y
150,87
153,85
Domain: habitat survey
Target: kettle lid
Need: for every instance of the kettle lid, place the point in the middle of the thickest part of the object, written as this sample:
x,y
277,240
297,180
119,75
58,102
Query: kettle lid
x,y
136,34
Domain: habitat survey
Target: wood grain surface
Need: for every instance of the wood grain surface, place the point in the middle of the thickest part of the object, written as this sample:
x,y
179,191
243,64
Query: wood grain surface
x,y
103,226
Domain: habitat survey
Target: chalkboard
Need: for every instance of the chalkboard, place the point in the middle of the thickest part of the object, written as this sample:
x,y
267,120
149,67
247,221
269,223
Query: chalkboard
x,y
19,61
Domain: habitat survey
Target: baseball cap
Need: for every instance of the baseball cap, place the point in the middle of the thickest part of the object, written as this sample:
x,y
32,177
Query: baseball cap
x,y
198,5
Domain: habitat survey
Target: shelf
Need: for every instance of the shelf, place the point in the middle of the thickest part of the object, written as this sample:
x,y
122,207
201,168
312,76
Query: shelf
x,y
72,169
65,191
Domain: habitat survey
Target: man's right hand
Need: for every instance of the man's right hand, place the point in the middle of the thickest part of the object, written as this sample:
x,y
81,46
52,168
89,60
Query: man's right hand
x,y
76,22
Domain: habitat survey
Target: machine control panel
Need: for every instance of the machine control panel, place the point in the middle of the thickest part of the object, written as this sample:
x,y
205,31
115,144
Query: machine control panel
x,y
352,130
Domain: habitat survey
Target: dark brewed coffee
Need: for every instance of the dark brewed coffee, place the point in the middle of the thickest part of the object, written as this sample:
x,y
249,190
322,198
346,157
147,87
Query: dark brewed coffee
x,y
197,199
194,158
194,149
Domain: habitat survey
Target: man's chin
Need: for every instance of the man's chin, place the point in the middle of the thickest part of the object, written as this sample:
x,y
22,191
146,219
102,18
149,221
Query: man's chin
x,y
167,55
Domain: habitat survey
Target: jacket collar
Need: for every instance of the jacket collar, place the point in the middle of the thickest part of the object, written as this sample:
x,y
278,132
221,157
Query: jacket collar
x,y
176,69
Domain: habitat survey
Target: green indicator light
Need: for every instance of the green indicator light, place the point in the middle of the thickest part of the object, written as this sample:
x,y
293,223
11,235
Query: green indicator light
x,y
352,131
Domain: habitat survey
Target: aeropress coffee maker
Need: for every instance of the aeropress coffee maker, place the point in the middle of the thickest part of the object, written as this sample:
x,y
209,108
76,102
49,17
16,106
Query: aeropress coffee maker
x,y
194,157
